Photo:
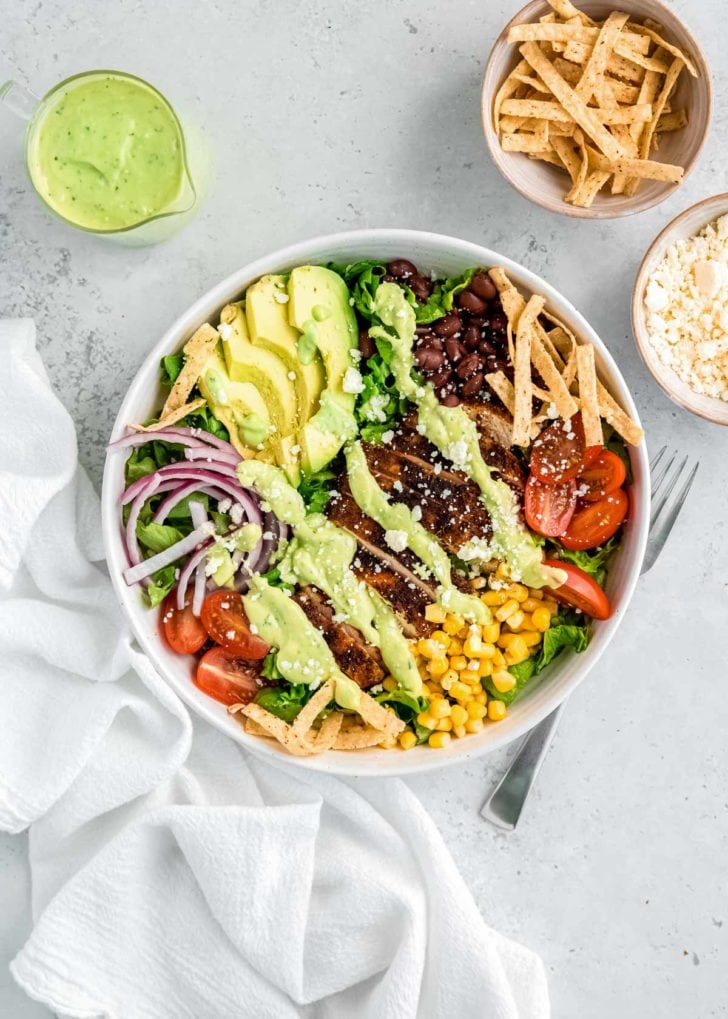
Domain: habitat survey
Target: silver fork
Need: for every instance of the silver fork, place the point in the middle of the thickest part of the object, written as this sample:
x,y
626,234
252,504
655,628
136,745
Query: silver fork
x,y
671,483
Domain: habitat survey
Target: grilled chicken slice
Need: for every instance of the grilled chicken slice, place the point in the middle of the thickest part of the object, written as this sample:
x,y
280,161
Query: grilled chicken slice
x,y
405,595
356,659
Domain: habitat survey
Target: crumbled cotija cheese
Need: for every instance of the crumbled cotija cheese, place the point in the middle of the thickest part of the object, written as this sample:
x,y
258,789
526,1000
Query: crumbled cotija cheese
x,y
686,303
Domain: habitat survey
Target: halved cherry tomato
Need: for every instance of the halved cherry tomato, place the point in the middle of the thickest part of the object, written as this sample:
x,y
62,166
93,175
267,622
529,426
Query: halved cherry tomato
x,y
224,676
549,508
559,453
596,522
223,616
182,630
604,474
580,591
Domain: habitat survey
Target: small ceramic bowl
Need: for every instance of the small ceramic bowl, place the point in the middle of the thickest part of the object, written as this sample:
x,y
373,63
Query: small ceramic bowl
x,y
546,185
688,223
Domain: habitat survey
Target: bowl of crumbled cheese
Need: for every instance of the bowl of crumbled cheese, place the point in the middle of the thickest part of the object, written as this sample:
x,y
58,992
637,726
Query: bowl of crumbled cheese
x,y
680,309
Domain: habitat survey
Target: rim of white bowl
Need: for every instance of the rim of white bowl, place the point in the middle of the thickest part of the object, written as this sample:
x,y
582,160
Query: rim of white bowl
x,y
544,696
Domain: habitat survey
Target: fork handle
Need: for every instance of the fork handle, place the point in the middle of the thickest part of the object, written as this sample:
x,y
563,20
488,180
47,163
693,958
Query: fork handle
x,y
503,807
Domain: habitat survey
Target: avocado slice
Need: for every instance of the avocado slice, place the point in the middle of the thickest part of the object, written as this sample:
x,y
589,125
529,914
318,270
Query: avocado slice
x,y
319,308
239,406
265,370
267,318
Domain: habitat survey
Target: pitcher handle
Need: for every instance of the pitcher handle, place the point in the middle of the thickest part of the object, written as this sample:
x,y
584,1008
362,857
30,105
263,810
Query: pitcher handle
x,y
18,99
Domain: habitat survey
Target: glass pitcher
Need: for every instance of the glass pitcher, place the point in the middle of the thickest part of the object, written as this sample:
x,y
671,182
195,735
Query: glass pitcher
x,y
107,154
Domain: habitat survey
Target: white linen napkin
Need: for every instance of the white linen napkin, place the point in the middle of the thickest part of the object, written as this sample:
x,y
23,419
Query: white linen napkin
x,y
174,875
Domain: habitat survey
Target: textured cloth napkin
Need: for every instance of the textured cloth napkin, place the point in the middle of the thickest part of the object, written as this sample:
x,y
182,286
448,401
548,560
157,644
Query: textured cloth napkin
x,y
173,874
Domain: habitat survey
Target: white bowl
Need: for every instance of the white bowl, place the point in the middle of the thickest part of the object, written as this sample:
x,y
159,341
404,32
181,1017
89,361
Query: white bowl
x,y
447,256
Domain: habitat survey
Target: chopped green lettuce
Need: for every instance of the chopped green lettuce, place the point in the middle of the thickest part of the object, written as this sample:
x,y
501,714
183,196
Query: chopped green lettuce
x,y
284,701
316,489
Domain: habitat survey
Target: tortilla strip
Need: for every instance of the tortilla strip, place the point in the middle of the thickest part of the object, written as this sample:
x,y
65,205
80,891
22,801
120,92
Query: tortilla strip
x,y
523,142
575,32
566,10
537,108
593,184
522,371
644,169
278,729
674,51
358,738
647,93
587,374
379,717
313,708
548,156
620,115
672,121
620,421
564,149
561,344
571,73
503,389
583,168
562,130
197,350
507,89
509,125
558,392
571,102
596,64
329,732
173,417
659,105
569,374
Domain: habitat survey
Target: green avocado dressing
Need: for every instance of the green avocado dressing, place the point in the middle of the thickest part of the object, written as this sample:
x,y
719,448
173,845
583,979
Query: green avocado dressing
x,y
455,434
106,152
402,530
273,486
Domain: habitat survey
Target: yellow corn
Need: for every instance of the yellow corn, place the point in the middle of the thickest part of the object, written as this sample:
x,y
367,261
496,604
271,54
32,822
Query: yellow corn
x,y
472,645
506,639
507,609
439,708
476,709
494,598
459,731
503,681
426,720
438,740
435,614
531,637
474,725
437,666
444,725
459,715
541,618
516,620
502,571
460,691
486,667
452,624
518,591
471,676
551,605
517,652
491,632
430,648
458,662
442,638
450,677
390,684
407,739
456,647
497,711
498,659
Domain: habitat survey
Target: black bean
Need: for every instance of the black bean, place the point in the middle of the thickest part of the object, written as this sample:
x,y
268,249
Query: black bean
x,y
366,343
471,302
424,330
451,400
429,360
482,285
471,337
448,325
435,343
441,378
473,385
401,269
468,366
486,347
420,287
498,322
454,349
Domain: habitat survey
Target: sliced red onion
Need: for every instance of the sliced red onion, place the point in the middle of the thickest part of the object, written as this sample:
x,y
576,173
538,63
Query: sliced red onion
x,y
211,473
180,492
202,435
198,558
179,438
199,517
213,455
133,552
157,562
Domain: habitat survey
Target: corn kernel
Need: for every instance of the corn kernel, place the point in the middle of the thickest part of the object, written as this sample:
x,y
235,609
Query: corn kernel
x,y
491,632
518,651
459,731
531,637
474,664
452,624
497,711
487,651
472,645
480,698
530,605
430,648
435,614
450,677
444,725
458,662
503,681
502,572
486,667
433,689
551,605
506,639
541,619
437,666
518,591
474,725
478,583
438,740
390,684
460,691
407,739
426,720
471,676
439,708
459,715
463,632
507,609
476,709
494,598
498,659
516,620
442,638
456,647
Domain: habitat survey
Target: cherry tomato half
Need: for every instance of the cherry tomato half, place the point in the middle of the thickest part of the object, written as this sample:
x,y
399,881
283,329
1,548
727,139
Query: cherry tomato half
x,y
596,522
559,453
222,675
182,630
604,474
580,591
223,616
549,508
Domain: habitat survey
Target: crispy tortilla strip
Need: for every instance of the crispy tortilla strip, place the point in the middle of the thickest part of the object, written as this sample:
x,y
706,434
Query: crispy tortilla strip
x,y
549,372
571,102
639,113
508,125
583,167
569,373
647,94
537,108
564,149
548,156
503,389
509,87
566,10
575,31
379,717
197,351
525,142
587,375
644,169
279,730
672,121
561,343
620,421
313,708
513,303
173,417
659,105
358,738
623,92
588,191
562,130
522,370
596,65
329,732
649,29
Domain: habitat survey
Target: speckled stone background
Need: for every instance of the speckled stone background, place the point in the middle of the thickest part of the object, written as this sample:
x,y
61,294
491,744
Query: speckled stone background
x,y
335,114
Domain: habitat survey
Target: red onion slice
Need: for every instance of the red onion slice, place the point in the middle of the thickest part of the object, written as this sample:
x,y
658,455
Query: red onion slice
x,y
199,517
157,562
183,472
163,435
198,558
212,456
